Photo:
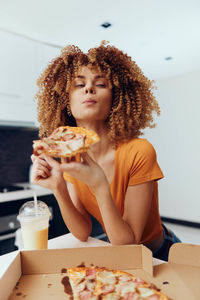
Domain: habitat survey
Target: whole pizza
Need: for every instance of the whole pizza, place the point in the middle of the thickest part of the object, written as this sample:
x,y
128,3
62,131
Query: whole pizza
x,y
102,283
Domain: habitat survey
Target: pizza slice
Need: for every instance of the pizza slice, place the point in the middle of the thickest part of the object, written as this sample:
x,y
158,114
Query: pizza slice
x,y
102,283
66,141
106,284
116,284
130,287
83,282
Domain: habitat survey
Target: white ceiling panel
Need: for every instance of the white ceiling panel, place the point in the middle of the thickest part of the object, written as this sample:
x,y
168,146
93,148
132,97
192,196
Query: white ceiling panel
x,y
148,30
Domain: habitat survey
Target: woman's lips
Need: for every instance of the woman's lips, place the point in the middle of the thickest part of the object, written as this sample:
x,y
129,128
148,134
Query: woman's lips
x,y
89,101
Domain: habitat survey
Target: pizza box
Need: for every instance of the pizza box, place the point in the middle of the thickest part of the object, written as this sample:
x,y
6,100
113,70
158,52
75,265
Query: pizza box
x,y
38,274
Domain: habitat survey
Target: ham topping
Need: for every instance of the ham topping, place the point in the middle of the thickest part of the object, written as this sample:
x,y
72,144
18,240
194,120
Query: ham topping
x,y
124,278
108,288
131,296
139,280
68,136
80,286
91,274
85,295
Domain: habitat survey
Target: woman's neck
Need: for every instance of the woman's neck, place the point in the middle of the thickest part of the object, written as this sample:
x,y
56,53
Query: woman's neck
x,y
104,146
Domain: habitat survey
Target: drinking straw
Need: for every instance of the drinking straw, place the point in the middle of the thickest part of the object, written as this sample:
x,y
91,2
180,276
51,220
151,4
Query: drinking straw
x,y
35,202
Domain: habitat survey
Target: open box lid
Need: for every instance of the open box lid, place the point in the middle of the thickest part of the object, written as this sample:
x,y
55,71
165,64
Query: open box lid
x,y
185,254
180,277
119,257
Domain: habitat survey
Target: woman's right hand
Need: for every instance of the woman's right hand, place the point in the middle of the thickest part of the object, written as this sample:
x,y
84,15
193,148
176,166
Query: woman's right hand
x,y
46,172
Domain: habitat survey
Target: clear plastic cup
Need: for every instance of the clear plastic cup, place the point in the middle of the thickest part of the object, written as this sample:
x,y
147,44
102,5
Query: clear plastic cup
x,y
34,221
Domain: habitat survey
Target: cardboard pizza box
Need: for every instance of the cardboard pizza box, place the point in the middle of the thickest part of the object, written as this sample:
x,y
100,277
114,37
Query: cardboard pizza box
x,y
180,277
38,274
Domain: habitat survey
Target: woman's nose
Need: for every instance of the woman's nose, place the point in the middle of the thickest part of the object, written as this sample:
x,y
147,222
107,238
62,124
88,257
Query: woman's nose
x,y
89,90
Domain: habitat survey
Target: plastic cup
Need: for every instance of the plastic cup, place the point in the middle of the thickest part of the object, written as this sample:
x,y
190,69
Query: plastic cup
x,y
34,221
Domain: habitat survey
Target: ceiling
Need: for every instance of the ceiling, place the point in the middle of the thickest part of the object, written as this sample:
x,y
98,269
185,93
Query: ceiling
x,y
148,30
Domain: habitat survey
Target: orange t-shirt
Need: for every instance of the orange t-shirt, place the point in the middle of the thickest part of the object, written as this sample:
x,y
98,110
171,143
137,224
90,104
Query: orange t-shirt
x,y
135,163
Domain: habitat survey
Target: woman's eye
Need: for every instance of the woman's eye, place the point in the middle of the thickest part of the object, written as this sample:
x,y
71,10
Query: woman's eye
x,y
100,84
79,85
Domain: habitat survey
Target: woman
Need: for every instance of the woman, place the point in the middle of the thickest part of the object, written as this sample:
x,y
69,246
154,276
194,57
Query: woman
x,y
116,180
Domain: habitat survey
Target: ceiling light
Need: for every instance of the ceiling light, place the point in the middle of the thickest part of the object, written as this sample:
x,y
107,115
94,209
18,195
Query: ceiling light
x,y
168,58
106,25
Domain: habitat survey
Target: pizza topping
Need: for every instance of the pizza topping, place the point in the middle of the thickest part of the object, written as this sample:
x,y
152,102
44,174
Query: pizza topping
x,y
124,278
62,133
111,296
78,279
80,286
85,295
101,283
131,296
91,273
108,288
106,277
69,136
145,292
65,147
90,285
139,280
58,147
54,133
126,287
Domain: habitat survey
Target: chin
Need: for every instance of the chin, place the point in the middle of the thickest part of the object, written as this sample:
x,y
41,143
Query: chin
x,y
91,117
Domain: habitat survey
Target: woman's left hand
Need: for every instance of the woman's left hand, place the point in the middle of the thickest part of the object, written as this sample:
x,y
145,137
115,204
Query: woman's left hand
x,y
87,171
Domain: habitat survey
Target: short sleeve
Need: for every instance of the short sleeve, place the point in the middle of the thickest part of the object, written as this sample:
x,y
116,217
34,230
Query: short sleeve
x,y
144,167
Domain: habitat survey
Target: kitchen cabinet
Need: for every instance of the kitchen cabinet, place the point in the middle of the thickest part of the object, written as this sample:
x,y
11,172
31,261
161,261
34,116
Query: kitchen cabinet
x,y
21,60
17,75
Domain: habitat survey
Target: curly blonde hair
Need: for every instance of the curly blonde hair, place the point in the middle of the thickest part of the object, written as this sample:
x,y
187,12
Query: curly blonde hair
x,y
133,102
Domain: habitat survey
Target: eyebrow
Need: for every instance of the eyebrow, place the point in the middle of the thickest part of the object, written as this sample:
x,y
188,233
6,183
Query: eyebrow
x,y
96,77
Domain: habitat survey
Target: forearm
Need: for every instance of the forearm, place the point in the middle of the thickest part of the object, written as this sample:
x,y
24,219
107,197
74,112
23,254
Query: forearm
x,y
78,225
119,232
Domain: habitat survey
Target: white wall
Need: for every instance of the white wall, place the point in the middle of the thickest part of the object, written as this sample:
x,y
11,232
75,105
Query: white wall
x,y
177,142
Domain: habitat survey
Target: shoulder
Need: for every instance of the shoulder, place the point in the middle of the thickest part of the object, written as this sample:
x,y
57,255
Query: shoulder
x,y
139,157
137,153
137,146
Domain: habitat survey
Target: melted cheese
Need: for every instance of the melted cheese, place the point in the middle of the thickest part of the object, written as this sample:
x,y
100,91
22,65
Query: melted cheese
x,y
106,277
145,292
62,147
75,279
75,144
127,287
